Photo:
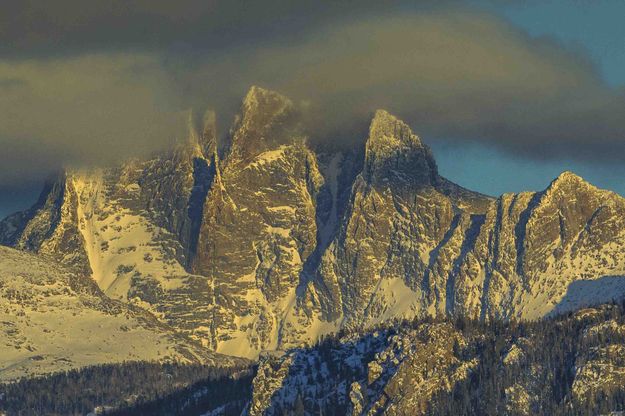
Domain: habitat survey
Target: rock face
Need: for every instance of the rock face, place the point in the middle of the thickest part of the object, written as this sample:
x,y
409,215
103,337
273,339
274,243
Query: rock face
x,y
267,244
259,226
400,217
533,246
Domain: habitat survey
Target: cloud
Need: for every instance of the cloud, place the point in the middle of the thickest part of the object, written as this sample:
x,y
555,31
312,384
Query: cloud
x,y
93,109
63,27
90,85
452,73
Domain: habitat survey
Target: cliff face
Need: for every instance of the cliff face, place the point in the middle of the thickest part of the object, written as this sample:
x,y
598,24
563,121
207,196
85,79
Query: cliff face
x,y
400,217
259,226
271,245
533,246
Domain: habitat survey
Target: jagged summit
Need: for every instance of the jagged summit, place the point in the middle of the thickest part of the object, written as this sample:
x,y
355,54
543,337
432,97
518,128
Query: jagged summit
x,y
265,122
261,107
568,184
385,126
395,153
209,133
258,96
568,177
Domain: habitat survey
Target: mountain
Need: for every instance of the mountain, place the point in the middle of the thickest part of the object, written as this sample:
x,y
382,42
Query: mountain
x,y
267,243
54,319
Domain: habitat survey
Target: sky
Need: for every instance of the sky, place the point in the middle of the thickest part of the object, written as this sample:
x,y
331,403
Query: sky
x,y
507,93
596,28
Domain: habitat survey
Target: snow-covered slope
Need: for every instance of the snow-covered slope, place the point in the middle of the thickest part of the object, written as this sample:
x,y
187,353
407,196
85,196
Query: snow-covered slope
x,y
52,319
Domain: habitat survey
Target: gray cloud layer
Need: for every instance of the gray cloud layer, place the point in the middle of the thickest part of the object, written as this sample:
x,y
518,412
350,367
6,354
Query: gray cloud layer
x,y
71,26
95,84
90,109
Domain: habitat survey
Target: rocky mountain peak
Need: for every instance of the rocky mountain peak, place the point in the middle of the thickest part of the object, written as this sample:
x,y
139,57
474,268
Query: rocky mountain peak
x,y
395,154
568,184
209,134
192,146
385,127
278,246
266,121
568,178
258,98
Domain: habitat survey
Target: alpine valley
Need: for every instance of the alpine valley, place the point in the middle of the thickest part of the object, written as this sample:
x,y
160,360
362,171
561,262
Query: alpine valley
x,y
322,281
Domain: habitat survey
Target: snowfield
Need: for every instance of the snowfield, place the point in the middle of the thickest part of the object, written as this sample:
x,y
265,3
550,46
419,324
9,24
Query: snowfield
x,y
53,320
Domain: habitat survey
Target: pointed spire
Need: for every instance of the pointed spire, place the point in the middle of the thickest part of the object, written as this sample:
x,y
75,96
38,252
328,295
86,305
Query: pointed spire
x,y
262,107
257,97
566,180
385,127
194,138
395,154
264,123
209,134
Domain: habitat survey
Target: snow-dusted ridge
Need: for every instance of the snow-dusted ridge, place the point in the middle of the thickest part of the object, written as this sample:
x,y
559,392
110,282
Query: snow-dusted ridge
x,y
53,319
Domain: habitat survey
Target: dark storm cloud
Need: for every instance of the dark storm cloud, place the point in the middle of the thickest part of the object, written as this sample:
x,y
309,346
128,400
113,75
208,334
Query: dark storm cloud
x,y
84,110
450,72
73,26
95,82
10,83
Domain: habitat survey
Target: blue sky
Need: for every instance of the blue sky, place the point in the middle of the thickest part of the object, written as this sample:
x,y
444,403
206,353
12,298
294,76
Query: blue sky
x,y
595,26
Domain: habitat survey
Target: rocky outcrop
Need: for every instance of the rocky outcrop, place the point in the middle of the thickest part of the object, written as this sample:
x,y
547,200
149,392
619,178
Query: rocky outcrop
x,y
570,365
384,372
